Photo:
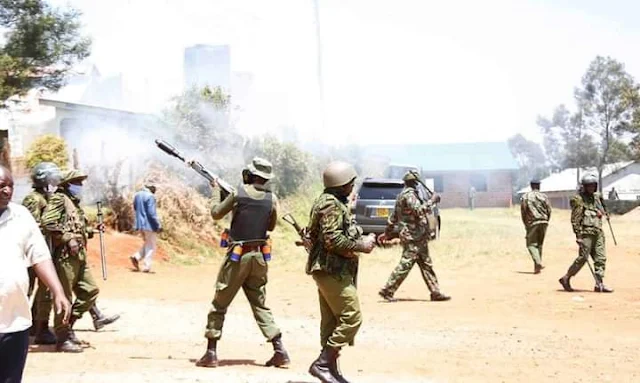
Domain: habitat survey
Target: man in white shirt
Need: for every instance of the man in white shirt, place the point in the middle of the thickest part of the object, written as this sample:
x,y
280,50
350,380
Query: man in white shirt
x,y
22,246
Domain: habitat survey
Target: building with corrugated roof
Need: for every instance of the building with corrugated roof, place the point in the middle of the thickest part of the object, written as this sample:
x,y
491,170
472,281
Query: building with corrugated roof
x,y
488,167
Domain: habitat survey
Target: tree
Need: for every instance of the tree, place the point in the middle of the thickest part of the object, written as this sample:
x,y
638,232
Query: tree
x,y
41,45
48,148
610,100
200,120
565,142
291,166
530,158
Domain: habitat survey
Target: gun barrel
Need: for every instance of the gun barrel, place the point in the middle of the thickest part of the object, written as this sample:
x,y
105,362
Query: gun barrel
x,y
103,256
169,149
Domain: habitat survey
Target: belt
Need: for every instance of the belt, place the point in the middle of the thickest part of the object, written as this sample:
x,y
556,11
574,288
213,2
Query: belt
x,y
250,248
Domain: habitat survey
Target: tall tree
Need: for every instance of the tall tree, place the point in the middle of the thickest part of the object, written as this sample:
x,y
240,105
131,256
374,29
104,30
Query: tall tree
x,y
530,158
610,100
40,46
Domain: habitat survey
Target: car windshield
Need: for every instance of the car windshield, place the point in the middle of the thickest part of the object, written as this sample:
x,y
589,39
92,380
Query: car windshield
x,y
379,191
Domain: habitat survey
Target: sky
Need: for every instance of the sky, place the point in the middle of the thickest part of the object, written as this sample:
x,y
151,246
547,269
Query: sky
x,y
394,71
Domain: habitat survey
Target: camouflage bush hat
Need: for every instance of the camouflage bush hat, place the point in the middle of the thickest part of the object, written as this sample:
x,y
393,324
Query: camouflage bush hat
x,y
72,175
260,167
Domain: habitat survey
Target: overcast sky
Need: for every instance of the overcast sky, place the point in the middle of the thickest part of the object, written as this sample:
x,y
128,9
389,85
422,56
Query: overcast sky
x,y
401,71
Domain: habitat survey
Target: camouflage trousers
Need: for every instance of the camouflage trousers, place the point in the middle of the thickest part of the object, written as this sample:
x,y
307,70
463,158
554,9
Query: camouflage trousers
x,y
340,314
250,275
76,279
535,240
414,252
592,246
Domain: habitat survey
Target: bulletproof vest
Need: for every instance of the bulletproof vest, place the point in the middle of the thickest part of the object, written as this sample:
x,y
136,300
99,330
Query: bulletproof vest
x,y
251,217
75,221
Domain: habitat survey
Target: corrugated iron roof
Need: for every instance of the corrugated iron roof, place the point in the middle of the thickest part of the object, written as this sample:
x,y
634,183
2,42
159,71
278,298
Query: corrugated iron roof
x,y
477,156
566,180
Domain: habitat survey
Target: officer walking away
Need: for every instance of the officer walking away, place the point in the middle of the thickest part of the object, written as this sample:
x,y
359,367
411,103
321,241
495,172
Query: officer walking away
x,y
22,246
335,241
148,224
254,209
64,220
587,210
535,211
409,222
45,177
472,198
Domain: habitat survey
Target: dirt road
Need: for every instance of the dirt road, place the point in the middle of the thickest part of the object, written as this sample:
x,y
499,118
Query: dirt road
x,y
503,325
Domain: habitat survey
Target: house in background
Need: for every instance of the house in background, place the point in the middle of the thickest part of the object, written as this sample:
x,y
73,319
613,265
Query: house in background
x,y
489,167
560,187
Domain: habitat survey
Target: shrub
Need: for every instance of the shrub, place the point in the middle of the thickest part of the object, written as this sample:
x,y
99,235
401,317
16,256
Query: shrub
x,y
49,148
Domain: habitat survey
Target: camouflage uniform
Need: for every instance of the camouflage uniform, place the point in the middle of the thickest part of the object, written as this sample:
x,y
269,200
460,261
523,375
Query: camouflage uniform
x,y
333,263
410,217
65,220
586,219
535,211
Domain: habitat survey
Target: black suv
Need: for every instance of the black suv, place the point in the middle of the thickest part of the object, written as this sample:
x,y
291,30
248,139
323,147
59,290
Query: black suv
x,y
375,201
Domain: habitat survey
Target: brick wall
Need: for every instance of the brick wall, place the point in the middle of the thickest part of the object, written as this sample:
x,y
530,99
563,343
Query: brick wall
x,y
456,189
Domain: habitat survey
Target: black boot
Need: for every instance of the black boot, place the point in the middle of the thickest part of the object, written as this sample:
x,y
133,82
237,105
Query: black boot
x,y
565,282
43,335
324,368
99,320
336,370
439,297
210,357
387,296
72,335
280,357
600,287
64,343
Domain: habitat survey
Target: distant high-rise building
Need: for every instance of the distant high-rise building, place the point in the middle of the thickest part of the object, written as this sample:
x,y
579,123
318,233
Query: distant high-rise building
x,y
208,65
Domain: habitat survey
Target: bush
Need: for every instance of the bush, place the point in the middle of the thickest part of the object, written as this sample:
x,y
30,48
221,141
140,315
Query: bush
x,y
48,148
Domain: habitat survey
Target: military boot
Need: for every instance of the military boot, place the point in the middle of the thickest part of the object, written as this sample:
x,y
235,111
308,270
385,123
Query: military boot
x,y
210,357
387,296
324,368
537,269
336,370
280,357
565,282
99,320
64,343
600,287
43,335
439,297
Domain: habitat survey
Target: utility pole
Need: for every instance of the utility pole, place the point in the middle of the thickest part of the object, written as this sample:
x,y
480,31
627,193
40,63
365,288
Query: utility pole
x,y
316,11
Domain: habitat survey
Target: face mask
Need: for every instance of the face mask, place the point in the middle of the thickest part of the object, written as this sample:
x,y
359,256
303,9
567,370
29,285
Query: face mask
x,y
75,190
50,189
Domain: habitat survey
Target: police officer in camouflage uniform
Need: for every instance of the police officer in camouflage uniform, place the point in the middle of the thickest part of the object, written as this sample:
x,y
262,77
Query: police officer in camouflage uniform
x,y
254,209
535,211
587,210
335,241
45,177
64,221
409,222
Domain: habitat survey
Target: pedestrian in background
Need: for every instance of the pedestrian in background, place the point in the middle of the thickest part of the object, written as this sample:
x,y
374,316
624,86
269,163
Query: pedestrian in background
x,y
148,224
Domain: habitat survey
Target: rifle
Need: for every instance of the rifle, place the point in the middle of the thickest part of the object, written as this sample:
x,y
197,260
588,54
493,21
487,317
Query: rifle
x,y
103,256
288,218
608,220
197,166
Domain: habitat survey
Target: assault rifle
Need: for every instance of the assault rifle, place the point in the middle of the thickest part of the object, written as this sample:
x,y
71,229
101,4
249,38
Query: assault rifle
x,y
197,166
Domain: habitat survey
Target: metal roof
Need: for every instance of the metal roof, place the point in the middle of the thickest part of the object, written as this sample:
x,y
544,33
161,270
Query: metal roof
x,y
567,179
477,156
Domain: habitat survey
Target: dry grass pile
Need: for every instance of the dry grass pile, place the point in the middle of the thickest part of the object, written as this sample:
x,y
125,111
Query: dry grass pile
x,y
185,215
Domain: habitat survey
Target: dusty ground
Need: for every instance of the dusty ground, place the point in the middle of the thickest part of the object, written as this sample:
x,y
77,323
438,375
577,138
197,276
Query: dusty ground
x,y
503,325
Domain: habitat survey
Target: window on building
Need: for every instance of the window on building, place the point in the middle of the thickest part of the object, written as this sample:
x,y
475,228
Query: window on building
x,y
479,182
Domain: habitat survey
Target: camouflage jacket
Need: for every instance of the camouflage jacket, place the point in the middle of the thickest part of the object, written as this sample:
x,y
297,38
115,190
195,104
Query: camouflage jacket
x,y
410,217
65,220
535,208
586,214
333,234
36,202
